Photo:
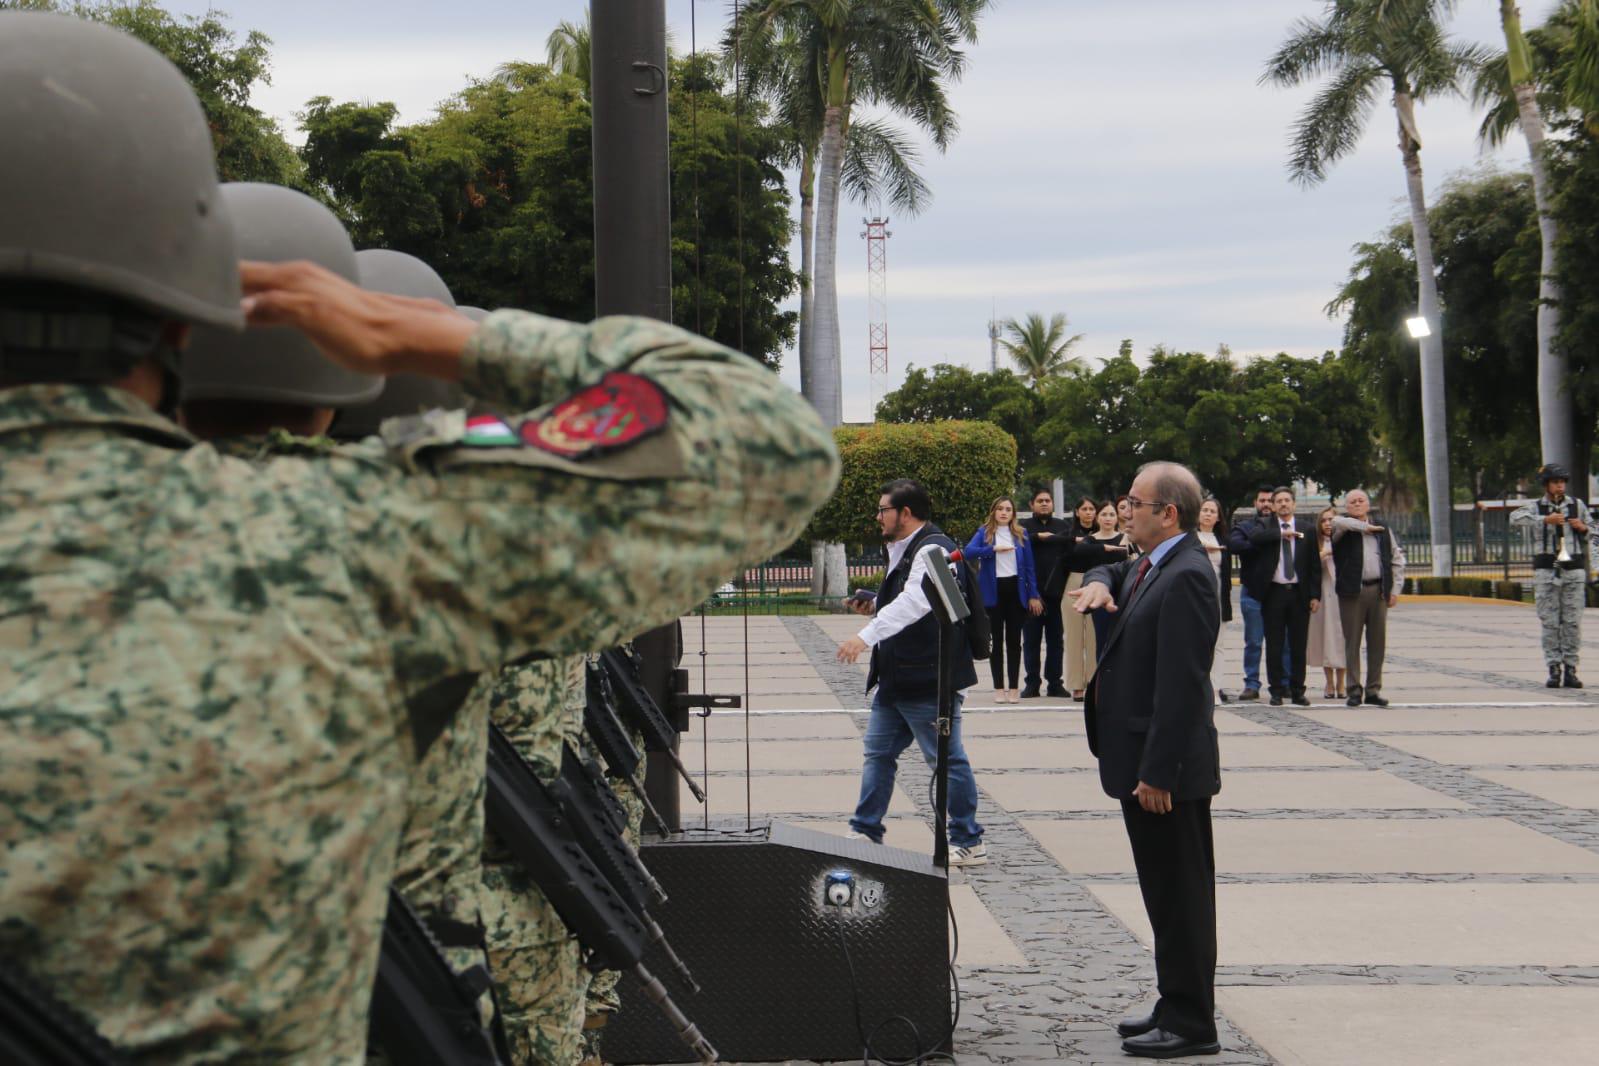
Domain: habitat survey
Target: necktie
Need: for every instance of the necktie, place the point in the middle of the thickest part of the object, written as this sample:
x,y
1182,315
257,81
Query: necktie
x,y
1138,578
1288,554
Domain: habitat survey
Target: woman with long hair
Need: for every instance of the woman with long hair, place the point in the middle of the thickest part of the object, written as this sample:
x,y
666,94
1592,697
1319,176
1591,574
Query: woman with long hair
x,y
1325,647
1212,534
1085,554
1010,588
1109,536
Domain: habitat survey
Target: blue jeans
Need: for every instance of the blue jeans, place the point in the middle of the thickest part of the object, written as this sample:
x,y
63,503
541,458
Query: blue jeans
x,y
890,731
1047,627
1254,636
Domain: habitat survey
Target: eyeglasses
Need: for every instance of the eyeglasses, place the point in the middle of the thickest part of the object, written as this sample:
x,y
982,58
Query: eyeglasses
x,y
880,510
1135,502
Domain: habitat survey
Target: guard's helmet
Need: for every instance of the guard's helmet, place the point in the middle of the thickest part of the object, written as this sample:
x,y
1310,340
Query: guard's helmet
x,y
476,314
277,364
107,173
1553,472
382,270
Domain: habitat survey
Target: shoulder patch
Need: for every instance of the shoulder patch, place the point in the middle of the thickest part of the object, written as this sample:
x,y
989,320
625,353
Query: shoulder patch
x,y
620,411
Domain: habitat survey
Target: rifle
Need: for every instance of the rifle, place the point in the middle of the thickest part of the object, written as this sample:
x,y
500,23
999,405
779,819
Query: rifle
x,y
610,739
529,820
36,1029
579,790
641,711
423,1012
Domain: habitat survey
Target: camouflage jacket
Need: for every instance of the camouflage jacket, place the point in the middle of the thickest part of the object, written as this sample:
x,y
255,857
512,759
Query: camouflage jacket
x,y
213,666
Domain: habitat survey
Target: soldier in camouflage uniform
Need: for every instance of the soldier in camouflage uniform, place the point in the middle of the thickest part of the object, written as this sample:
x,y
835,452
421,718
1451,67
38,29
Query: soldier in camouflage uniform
x,y
270,393
538,968
214,668
1559,580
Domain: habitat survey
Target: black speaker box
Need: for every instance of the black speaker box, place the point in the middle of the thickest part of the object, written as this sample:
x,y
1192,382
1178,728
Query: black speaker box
x,y
748,913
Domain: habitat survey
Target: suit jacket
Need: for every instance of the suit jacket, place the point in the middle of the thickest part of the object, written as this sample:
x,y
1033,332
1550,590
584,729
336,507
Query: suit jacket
x,y
1265,537
1150,709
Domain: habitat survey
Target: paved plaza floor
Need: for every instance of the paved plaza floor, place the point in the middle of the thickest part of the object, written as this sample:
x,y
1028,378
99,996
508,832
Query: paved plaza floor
x,y
1418,884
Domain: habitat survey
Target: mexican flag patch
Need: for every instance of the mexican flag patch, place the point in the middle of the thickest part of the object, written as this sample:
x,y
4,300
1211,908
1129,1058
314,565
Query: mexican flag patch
x,y
487,431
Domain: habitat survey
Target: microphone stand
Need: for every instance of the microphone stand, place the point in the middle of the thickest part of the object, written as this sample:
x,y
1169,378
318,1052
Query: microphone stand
x,y
949,606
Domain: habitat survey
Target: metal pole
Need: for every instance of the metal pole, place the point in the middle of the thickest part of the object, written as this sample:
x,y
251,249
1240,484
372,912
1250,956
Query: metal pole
x,y
633,254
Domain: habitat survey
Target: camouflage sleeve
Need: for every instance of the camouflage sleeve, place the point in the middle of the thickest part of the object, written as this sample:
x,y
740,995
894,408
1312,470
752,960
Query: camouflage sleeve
x,y
1526,515
477,554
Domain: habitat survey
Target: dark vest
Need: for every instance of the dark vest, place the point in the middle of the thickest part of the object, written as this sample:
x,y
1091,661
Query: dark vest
x,y
1349,560
906,664
1549,539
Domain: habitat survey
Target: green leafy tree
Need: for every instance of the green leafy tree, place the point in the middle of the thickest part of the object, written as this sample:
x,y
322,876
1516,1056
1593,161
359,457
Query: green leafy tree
x,y
957,393
1488,251
871,456
496,192
1041,349
1366,48
222,71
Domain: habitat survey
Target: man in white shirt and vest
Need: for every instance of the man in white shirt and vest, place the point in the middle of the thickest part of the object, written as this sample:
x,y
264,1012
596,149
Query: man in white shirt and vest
x,y
903,637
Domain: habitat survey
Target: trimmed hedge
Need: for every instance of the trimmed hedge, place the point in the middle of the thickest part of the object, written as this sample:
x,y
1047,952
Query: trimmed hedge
x,y
964,465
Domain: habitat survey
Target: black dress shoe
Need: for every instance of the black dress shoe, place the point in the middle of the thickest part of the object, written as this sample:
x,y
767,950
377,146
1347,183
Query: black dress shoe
x,y
1554,677
1374,700
1355,692
1159,1044
1136,1025
1057,692
1571,678
1030,692
1301,700
1249,694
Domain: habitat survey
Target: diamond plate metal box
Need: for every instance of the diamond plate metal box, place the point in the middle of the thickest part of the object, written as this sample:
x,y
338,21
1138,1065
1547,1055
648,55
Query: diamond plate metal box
x,y
748,914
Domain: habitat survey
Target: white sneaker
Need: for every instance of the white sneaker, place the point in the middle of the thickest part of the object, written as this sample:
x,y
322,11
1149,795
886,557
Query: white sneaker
x,y
976,855
852,835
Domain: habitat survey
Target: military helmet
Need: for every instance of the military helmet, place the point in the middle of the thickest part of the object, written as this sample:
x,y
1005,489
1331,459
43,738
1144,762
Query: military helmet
x,y
1553,472
107,172
382,270
277,363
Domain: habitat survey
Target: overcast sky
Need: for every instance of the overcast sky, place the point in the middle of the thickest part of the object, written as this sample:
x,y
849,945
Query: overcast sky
x,y
1117,161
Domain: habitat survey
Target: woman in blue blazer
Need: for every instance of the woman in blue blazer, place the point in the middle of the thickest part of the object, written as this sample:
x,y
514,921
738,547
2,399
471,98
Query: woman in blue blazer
x,y
1010,587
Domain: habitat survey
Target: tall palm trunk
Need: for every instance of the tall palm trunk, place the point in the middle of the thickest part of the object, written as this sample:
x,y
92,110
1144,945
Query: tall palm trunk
x,y
807,224
827,379
1434,415
829,560
1554,403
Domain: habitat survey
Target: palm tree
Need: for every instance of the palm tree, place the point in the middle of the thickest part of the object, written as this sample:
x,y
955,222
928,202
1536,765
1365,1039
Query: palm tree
x,y
1363,47
820,58
1513,79
879,159
569,49
896,53
1042,350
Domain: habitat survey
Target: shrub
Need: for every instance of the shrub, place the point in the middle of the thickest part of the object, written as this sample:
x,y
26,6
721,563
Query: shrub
x,y
1478,587
1430,586
873,581
964,465
1508,590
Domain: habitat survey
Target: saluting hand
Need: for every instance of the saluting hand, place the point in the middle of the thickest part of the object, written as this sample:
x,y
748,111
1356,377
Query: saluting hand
x,y
1093,596
372,332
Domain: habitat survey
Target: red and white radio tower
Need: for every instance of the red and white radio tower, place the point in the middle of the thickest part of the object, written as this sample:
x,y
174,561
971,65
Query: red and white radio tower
x,y
877,235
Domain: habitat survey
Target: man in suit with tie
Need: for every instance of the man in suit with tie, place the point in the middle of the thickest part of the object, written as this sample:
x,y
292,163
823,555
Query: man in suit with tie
x,y
1285,576
1150,717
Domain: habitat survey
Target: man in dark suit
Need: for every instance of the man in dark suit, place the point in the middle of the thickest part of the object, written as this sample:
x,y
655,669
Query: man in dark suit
x,y
1285,576
1051,539
1150,716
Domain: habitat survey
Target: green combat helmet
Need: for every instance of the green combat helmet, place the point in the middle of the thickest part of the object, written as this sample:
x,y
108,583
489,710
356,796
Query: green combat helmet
x,y
1553,472
382,270
113,221
277,364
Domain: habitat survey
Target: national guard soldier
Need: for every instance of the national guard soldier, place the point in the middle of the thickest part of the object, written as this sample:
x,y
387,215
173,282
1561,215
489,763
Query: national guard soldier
x,y
215,669
270,393
1559,571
